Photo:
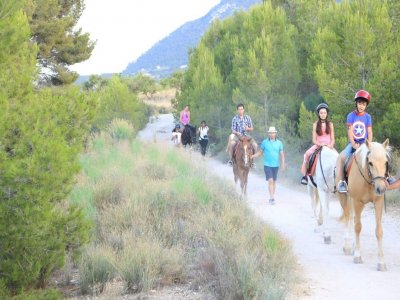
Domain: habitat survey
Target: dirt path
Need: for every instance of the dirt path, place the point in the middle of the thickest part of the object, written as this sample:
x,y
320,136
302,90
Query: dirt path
x,y
329,273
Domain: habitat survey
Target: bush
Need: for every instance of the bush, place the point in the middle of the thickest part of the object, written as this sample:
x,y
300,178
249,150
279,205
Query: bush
x,y
96,269
120,130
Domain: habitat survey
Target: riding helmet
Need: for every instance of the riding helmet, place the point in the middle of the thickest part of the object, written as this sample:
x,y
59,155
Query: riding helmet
x,y
177,126
320,106
362,95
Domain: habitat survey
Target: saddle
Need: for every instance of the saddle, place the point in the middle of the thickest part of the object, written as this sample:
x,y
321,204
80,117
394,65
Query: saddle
x,y
347,165
312,162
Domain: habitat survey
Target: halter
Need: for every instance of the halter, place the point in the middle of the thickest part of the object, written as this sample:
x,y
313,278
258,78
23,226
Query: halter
x,y
372,181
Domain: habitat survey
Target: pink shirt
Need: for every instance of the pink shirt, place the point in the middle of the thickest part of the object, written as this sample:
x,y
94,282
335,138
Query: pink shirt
x,y
324,138
185,119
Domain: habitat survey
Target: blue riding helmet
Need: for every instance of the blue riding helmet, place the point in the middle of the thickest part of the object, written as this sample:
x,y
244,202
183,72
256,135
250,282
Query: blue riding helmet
x,y
177,126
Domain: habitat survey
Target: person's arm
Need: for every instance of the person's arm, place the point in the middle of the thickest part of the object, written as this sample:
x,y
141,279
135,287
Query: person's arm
x,y
180,118
257,154
234,126
350,136
370,136
314,134
393,186
250,125
283,164
188,116
332,144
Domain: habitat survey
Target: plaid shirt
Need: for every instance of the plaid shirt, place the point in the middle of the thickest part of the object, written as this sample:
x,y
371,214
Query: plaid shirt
x,y
238,124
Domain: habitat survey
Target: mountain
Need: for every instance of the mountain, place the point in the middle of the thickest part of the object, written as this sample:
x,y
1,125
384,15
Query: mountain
x,y
171,53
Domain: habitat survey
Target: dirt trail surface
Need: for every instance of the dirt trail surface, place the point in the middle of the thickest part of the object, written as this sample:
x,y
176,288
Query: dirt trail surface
x,y
329,274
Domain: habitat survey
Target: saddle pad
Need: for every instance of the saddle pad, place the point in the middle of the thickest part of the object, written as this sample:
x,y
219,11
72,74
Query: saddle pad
x,y
312,162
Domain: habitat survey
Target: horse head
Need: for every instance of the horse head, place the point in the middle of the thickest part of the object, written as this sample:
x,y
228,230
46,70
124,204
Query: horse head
x,y
375,158
187,135
244,151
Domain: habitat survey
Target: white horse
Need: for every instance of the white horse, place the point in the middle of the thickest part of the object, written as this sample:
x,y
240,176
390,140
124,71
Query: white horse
x,y
324,178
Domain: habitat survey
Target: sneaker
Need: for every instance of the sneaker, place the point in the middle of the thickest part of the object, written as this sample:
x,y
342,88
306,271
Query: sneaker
x,y
342,186
230,162
272,201
391,180
304,180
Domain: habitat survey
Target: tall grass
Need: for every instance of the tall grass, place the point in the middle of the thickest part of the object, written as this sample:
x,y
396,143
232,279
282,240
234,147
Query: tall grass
x,y
160,220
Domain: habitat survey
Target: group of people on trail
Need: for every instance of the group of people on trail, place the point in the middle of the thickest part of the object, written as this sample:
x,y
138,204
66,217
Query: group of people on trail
x,y
359,129
271,148
202,130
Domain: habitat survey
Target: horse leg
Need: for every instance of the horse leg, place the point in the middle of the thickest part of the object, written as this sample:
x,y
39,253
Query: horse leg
x,y
324,203
358,207
379,233
313,192
245,176
347,218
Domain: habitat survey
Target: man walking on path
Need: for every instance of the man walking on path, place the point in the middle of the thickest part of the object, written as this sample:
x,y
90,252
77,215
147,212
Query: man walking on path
x,y
272,149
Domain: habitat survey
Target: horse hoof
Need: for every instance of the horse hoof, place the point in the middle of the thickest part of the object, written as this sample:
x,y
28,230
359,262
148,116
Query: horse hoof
x,y
382,267
357,260
347,251
327,240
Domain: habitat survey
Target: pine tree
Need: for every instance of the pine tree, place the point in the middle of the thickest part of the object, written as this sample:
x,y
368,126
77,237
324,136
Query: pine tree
x,y
52,24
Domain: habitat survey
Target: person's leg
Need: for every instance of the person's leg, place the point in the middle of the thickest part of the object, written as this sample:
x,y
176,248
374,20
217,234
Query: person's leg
x,y
304,179
231,144
342,185
271,188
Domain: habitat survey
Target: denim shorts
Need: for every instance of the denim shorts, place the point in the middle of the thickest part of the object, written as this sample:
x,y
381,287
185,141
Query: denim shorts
x,y
271,172
348,150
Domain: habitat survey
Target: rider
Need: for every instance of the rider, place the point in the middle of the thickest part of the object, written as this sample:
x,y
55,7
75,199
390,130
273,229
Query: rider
x,y
184,117
176,135
241,124
359,129
323,134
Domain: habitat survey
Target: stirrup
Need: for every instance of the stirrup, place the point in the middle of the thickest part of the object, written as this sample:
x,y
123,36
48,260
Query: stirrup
x,y
342,186
304,180
230,162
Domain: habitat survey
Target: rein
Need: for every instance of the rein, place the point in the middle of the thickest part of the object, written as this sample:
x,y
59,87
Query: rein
x,y
372,181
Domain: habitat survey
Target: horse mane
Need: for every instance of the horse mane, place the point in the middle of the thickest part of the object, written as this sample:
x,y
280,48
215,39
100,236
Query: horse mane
x,y
375,148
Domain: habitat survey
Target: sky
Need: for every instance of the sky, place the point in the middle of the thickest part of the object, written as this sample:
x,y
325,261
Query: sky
x,y
125,29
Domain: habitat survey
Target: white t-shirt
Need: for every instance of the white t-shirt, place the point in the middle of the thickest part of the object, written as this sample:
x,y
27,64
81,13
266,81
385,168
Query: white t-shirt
x,y
203,133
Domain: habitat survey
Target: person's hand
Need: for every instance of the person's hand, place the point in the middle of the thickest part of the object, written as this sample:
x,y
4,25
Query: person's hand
x,y
283,167
356,145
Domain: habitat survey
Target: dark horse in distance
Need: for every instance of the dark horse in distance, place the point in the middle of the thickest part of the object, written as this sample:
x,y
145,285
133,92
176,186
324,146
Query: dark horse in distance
x,y
242,152
188,136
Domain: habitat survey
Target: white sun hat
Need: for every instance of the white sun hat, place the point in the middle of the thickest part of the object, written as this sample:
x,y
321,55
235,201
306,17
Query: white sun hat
x,y
272,129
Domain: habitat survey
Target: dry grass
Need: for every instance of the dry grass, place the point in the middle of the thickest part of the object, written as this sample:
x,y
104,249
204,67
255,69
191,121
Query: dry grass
x,y
160,101
160,221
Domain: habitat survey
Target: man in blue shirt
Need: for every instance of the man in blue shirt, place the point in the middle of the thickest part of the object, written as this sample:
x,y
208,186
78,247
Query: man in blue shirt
x,y
273,158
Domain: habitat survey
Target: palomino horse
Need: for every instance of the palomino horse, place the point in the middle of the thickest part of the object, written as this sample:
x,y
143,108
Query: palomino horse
x,y
366,183
243,150
321,192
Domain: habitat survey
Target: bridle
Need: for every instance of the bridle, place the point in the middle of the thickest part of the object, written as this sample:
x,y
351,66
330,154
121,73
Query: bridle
x,y
373,179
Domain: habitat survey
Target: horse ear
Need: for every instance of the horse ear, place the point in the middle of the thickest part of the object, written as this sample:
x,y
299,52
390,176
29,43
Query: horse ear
x,y
368,144
386,143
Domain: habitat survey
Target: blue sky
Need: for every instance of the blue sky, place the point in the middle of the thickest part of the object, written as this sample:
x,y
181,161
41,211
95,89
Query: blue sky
x,y
124,29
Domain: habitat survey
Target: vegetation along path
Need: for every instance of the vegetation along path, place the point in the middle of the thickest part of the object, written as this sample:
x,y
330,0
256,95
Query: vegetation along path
x,y
328,273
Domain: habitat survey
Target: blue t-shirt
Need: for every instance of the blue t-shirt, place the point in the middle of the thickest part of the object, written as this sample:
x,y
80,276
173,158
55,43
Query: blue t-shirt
x,y
271,150
360,123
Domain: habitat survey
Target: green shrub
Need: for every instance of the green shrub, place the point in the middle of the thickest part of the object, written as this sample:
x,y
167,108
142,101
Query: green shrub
x,y
95,270
120,130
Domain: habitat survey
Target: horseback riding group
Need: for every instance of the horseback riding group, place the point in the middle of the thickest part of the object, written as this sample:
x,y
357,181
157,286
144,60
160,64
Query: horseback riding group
x,y
359,174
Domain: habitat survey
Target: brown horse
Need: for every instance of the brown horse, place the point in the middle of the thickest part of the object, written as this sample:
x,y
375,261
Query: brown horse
x,y
366,183
243,150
